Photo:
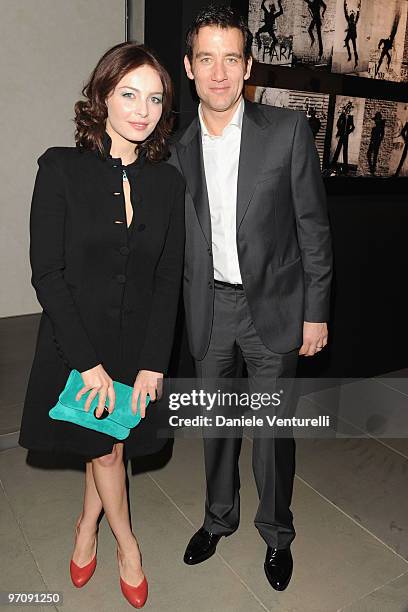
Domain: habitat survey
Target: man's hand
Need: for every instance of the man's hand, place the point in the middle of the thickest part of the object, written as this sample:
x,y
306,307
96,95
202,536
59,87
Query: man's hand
x,y
314,338
147,382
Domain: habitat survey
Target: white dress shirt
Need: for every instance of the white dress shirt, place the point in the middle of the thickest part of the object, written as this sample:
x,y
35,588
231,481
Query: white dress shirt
x,y
221,159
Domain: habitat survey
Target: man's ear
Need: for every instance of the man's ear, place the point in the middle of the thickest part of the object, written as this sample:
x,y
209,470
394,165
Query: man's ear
x,y
248,69
187,67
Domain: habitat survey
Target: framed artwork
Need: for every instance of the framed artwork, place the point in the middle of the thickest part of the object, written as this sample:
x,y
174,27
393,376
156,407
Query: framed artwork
x,y
272,25
371,39
345,45
314,29
315,106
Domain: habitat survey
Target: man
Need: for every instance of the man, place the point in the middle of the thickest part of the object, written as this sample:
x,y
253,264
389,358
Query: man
x,y
377,136
387,45
270,17
254,285
317,18
314,122
345,127
351,31
404,135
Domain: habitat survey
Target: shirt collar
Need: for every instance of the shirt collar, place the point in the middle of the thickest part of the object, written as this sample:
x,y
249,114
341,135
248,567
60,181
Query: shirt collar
x,y
236,119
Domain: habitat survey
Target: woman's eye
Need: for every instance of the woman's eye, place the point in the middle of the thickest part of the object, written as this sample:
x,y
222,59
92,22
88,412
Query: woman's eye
x,y
127,94
157,100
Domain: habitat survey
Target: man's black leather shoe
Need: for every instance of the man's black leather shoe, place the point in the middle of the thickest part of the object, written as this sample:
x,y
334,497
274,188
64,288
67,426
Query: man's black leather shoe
x,y
278,567
201,547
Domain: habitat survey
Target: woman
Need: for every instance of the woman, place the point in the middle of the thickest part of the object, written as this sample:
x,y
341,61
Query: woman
x,y
107,239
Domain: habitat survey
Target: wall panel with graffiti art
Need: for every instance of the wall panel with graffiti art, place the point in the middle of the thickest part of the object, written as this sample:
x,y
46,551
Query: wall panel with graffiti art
x,y
352,42
371,39
366,137
362,37
314,105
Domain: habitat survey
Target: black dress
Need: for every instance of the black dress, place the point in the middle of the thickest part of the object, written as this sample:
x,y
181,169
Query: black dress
x,y
109,293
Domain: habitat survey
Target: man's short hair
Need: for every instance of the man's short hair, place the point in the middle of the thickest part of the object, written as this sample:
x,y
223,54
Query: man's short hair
x,y
222,17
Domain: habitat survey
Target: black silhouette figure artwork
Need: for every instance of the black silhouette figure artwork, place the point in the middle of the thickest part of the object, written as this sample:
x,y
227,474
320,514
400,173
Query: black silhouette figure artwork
x,y
270,17
352,18
314,121
317,16
377,136
404,136
387,45
345,126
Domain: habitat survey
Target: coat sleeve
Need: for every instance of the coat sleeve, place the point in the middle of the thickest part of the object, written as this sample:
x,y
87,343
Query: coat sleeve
x,y
47,234
156,351
309,200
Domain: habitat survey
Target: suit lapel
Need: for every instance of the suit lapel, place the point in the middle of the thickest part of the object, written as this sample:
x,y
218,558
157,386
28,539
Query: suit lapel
x,y
190,154
251,157
253,145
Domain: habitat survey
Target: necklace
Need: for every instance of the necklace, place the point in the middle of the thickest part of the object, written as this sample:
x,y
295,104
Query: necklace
x,y
125,176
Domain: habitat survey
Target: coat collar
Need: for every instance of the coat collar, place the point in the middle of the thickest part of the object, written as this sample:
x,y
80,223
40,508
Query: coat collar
x,y
117,161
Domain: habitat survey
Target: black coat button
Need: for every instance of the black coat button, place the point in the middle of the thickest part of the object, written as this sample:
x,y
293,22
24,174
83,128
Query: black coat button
x,y
121,278
210,285
124,250
141,227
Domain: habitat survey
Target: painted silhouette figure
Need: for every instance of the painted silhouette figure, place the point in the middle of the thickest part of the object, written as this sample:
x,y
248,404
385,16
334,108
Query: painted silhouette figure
x,y
404,136
317,17
345,126
314,122
387,44
270,17
377,136
351,31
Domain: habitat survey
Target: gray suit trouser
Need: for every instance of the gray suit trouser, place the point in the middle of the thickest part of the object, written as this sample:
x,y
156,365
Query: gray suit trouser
x,y
273,458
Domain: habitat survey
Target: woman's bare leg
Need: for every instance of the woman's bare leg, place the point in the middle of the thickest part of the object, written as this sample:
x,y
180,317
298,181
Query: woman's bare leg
x,y
85,544
110,480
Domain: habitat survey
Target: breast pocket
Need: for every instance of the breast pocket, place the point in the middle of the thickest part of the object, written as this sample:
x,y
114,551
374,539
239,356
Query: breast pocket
x,y
271,173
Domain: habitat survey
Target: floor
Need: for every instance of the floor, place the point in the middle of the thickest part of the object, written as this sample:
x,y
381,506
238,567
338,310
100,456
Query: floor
x,y
350,506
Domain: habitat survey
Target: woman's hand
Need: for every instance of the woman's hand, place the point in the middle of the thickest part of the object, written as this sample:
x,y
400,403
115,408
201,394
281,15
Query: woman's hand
x,y
147,382
97,381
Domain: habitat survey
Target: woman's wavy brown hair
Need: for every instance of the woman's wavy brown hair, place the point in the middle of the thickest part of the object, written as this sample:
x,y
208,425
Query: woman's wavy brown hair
x,y
91,113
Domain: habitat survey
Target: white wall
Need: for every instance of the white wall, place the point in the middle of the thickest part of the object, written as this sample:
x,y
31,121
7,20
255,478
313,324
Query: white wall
x,y
137,19
47,50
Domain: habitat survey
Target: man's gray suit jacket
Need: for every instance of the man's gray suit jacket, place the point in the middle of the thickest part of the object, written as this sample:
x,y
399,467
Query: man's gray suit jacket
x,y
282,228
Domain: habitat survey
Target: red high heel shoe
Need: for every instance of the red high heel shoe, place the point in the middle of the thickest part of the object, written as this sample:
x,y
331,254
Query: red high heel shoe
x,y
135,595
81,575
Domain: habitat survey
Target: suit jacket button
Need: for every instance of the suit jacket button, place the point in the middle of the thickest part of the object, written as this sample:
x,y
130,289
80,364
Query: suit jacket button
x,y
121,278
141,227
210,285
209,251
124,250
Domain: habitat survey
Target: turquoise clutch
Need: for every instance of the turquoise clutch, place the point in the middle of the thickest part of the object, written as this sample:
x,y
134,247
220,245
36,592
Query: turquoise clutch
x,y
118,424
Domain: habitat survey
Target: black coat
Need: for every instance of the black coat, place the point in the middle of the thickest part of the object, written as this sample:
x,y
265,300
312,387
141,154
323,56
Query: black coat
x,y
109,294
